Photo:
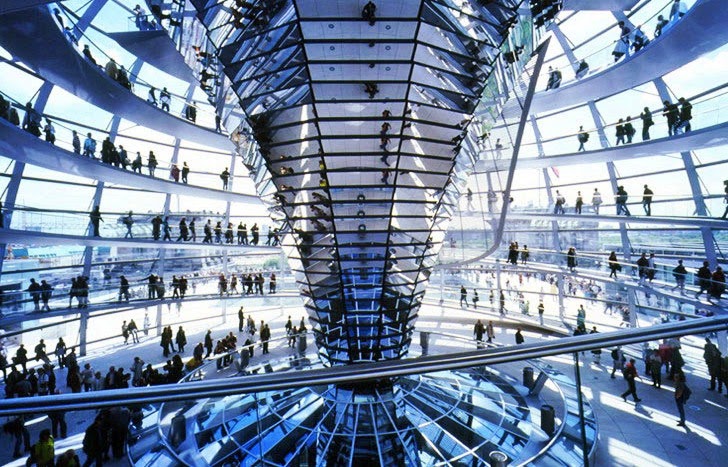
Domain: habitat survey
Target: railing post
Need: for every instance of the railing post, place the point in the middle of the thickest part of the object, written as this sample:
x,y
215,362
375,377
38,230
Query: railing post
x,y
442,286
580,402
632,308
498,287
82,331
560,288
159,320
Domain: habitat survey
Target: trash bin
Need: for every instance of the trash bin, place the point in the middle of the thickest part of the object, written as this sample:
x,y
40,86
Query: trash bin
x,y
497,459
547,419
528,377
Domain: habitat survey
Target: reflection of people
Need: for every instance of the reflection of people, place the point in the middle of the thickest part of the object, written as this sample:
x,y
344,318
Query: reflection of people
x,y
191,112
622,46
582,70
678,10
583,137
725,200
95,219
661,23
368,13
498,149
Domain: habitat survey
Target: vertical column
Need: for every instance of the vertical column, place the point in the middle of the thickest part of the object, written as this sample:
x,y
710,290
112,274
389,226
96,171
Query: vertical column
x,y
498,287
562,293
159,320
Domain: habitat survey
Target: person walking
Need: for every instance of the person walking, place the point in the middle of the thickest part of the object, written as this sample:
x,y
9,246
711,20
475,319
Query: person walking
x,y
679,273
559,202
620,132
712,356
647,195
571,259
582,137
519,336
181,340
614,265
96,218
541,310
128,223
463,296
621,198
579,203
225,177
703,275
617,360
596,201
630,374
642,268
647,122
490,332
265,337
654,365
478,332
671,113
682,394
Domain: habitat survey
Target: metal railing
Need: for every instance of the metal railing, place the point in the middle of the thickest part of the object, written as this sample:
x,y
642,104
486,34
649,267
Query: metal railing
x,y
357,373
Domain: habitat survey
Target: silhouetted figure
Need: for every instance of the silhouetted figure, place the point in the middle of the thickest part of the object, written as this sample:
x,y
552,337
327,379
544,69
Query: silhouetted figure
x,y
368,13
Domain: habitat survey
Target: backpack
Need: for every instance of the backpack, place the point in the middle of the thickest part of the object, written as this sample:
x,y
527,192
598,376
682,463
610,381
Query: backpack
x,y
686,393
615,354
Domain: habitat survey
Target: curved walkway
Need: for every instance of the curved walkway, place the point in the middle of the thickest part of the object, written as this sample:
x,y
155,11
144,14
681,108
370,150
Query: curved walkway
x,y
676,47
29,237
625,280
23,147
155,47
111,307
601,5
695,221
33,37
712,136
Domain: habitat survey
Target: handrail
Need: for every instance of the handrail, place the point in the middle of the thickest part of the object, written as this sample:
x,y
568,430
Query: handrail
x,y
359,372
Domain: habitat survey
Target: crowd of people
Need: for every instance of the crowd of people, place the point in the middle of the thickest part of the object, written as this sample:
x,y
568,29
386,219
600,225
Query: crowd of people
x,y
677,115
221,232
629,42
106,435
251,284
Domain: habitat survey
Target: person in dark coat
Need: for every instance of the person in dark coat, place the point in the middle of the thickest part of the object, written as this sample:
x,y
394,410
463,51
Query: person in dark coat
x,y
208,343
95,443
479,332
571,259
181,340
95,219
